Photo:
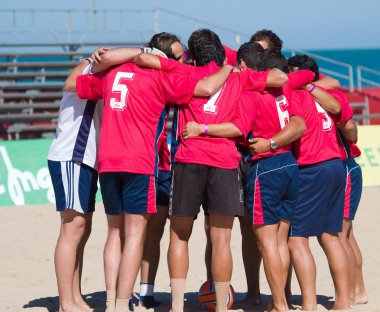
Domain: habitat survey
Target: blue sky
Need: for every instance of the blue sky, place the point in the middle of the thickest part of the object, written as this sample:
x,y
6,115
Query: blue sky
x,y
323,24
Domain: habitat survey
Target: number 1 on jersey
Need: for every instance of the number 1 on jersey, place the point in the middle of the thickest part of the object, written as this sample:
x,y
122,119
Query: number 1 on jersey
x,y
122,89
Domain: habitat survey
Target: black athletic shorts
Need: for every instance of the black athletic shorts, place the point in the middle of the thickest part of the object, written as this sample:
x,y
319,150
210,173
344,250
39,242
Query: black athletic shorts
x,y
194,185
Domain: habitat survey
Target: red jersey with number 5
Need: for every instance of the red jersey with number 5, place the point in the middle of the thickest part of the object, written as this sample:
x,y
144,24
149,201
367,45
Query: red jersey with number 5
x,y
134,99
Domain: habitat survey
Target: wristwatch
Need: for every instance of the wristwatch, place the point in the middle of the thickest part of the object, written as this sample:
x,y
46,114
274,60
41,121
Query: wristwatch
x,y
273,145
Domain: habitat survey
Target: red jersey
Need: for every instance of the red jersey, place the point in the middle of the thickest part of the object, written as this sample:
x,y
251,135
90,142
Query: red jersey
x,y
230,55
211,151
347,148
265,114
134,99
319,142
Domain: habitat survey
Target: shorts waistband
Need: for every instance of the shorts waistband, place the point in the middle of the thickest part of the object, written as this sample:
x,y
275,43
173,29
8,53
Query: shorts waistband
x,y
272,158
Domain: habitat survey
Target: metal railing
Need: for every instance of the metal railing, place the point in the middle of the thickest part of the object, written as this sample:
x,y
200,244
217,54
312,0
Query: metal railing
x,y
73,29
365,71
343,71
100,25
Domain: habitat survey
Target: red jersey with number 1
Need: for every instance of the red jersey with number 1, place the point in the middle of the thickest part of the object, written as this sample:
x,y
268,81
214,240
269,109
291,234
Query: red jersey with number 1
x,y
134,99
212,151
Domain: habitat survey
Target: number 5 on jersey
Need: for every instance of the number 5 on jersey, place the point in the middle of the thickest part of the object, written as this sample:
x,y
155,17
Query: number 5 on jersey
x,y
120,90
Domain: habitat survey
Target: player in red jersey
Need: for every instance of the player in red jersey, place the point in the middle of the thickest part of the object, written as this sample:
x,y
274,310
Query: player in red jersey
x,y
265,114
347,137
205,155
320,201
127,148
173,48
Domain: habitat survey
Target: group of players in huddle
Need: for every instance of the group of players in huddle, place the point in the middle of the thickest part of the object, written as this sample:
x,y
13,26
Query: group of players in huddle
x,y
254,136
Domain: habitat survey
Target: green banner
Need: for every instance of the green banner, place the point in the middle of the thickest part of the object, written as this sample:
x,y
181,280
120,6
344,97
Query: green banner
x,y
24,175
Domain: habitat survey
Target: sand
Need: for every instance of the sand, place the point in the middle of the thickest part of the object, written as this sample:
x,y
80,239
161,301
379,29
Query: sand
x,y
27,280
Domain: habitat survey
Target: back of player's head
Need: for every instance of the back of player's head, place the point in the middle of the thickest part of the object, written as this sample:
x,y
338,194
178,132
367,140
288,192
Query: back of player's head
x,y
304,62
205,47
268,36
252,54
275,59
163,41
202,34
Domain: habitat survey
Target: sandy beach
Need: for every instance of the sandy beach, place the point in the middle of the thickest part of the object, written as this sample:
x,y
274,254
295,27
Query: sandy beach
x,y
28,235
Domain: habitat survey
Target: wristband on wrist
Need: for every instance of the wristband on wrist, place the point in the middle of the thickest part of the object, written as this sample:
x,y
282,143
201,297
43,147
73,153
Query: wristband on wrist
x,y
312,88
88,60
206,129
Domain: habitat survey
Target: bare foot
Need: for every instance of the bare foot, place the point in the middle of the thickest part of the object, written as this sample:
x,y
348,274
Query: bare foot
x,y
360,298
72,308
81,303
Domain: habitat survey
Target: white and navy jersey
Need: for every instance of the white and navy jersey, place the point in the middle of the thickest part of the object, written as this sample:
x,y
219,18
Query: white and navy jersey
x,y
78,131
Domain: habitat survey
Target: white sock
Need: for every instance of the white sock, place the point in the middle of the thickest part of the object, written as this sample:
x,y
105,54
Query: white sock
x,y
146,289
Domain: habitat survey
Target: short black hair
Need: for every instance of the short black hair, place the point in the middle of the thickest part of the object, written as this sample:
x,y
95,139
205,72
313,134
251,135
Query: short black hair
x,y
163,41
205,47
274,41
252,54
275,59
304,62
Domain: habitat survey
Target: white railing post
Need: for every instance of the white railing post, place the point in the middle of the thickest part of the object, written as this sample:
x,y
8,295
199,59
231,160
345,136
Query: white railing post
x,y
156,26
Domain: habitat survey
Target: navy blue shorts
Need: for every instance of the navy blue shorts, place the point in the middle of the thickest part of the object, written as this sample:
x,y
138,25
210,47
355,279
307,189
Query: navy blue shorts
x,y
75,185
272,189
354,185
320,199
128,192
163,185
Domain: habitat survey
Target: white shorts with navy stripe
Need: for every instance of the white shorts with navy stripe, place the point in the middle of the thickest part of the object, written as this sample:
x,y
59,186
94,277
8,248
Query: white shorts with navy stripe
x,y
75,185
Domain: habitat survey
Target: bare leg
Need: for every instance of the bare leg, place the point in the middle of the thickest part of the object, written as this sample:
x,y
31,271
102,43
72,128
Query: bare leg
x,y
343,236
360,292
288,286
151,256
283,231
178,257
221,264
77,292
305,269
134,232
112,256
267,236
251,259
208,249
72,230
338,263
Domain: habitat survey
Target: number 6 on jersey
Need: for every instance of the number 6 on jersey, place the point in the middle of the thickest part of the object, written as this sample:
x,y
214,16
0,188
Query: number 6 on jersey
x,y
122,89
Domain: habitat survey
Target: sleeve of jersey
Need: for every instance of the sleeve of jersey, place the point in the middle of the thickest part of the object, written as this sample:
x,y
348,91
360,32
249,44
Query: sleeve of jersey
x,y
300,78
169,65
346,112
243,114
295,107
89,87
179,87
254,81
230,55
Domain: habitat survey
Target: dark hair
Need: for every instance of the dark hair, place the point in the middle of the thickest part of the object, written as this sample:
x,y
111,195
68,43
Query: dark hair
x,y
274,41
163,41
274,59
304,62
252,54
205,47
